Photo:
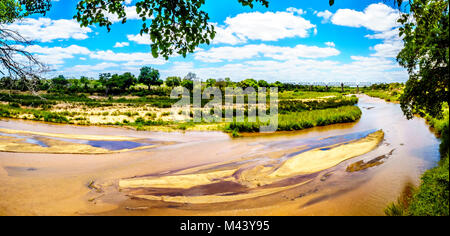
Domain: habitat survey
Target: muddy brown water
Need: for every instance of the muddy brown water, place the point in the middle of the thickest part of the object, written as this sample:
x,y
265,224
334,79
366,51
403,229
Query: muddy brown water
x,y
66,184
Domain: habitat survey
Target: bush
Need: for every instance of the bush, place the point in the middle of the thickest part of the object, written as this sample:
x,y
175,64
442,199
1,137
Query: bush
x,y
431,198
5,113
286,106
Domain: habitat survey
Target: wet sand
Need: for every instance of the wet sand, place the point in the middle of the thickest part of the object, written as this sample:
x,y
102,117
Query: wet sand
x,y
56,143
68,184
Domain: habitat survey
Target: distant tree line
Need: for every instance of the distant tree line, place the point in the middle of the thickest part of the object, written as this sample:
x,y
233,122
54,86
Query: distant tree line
x,y
148,82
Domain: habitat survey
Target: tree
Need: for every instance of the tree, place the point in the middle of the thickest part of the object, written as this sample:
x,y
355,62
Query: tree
x,y
173,81
277,84
11,10
190,76
127,80
249,83
228,81
106,80
426,56
263,83
174,26
59,83
149,76
6,82
74,85
15,62
187,83
210,82
85,81
221,83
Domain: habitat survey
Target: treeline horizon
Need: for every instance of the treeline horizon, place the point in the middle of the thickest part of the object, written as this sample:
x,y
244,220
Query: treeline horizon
x,y
148,82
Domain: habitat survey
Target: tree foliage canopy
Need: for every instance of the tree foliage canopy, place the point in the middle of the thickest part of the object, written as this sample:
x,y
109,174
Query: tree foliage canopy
x,y
425,55
14,60
11,10
174,26
149,76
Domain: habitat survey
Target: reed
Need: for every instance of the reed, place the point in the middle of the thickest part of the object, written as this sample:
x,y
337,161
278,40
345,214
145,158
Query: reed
x,y
302,120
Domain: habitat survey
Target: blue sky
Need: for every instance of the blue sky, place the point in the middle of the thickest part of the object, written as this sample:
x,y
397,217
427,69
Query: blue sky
x,y
291,41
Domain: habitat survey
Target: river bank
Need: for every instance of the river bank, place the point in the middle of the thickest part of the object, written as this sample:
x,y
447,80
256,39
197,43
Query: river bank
x,y
90,184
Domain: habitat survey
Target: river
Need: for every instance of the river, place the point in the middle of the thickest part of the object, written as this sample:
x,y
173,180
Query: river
x,y
82,184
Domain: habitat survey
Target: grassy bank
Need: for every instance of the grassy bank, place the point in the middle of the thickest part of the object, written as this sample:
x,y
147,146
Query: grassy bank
x,y
297,109
302,120
389,96
287,106
431,197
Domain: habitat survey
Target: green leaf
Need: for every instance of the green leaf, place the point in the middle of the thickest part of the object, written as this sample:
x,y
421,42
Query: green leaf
x,y
154,51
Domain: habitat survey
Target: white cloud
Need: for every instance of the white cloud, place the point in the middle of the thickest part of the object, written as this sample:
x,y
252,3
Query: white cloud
x,y
330,44
130,12
376,17
390,34
391,46
91,68
379,18
388,49
296,10
140,39
268,26
47,30
226,36
252,51
56,55
130,59
121,44
360,69
326,15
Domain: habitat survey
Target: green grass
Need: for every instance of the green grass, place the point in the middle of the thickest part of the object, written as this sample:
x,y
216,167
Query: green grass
x,y
286,106
302,120
38,115
390,96
52,99
431,198
306,94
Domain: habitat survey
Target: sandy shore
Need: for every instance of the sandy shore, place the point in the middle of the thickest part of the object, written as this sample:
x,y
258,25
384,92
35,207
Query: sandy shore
x,y
254,181
54,146
69,136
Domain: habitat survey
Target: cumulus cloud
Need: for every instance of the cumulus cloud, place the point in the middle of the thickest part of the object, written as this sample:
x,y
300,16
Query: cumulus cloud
x,y
390,47
379,18
121,44
140,39
129,59
268,26
360,69
92,68
326,15
330,44
48,30
296,10
251,51
56,55
376,17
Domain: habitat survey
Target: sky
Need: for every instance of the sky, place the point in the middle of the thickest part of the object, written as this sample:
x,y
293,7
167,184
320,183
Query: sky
x,y
290,41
